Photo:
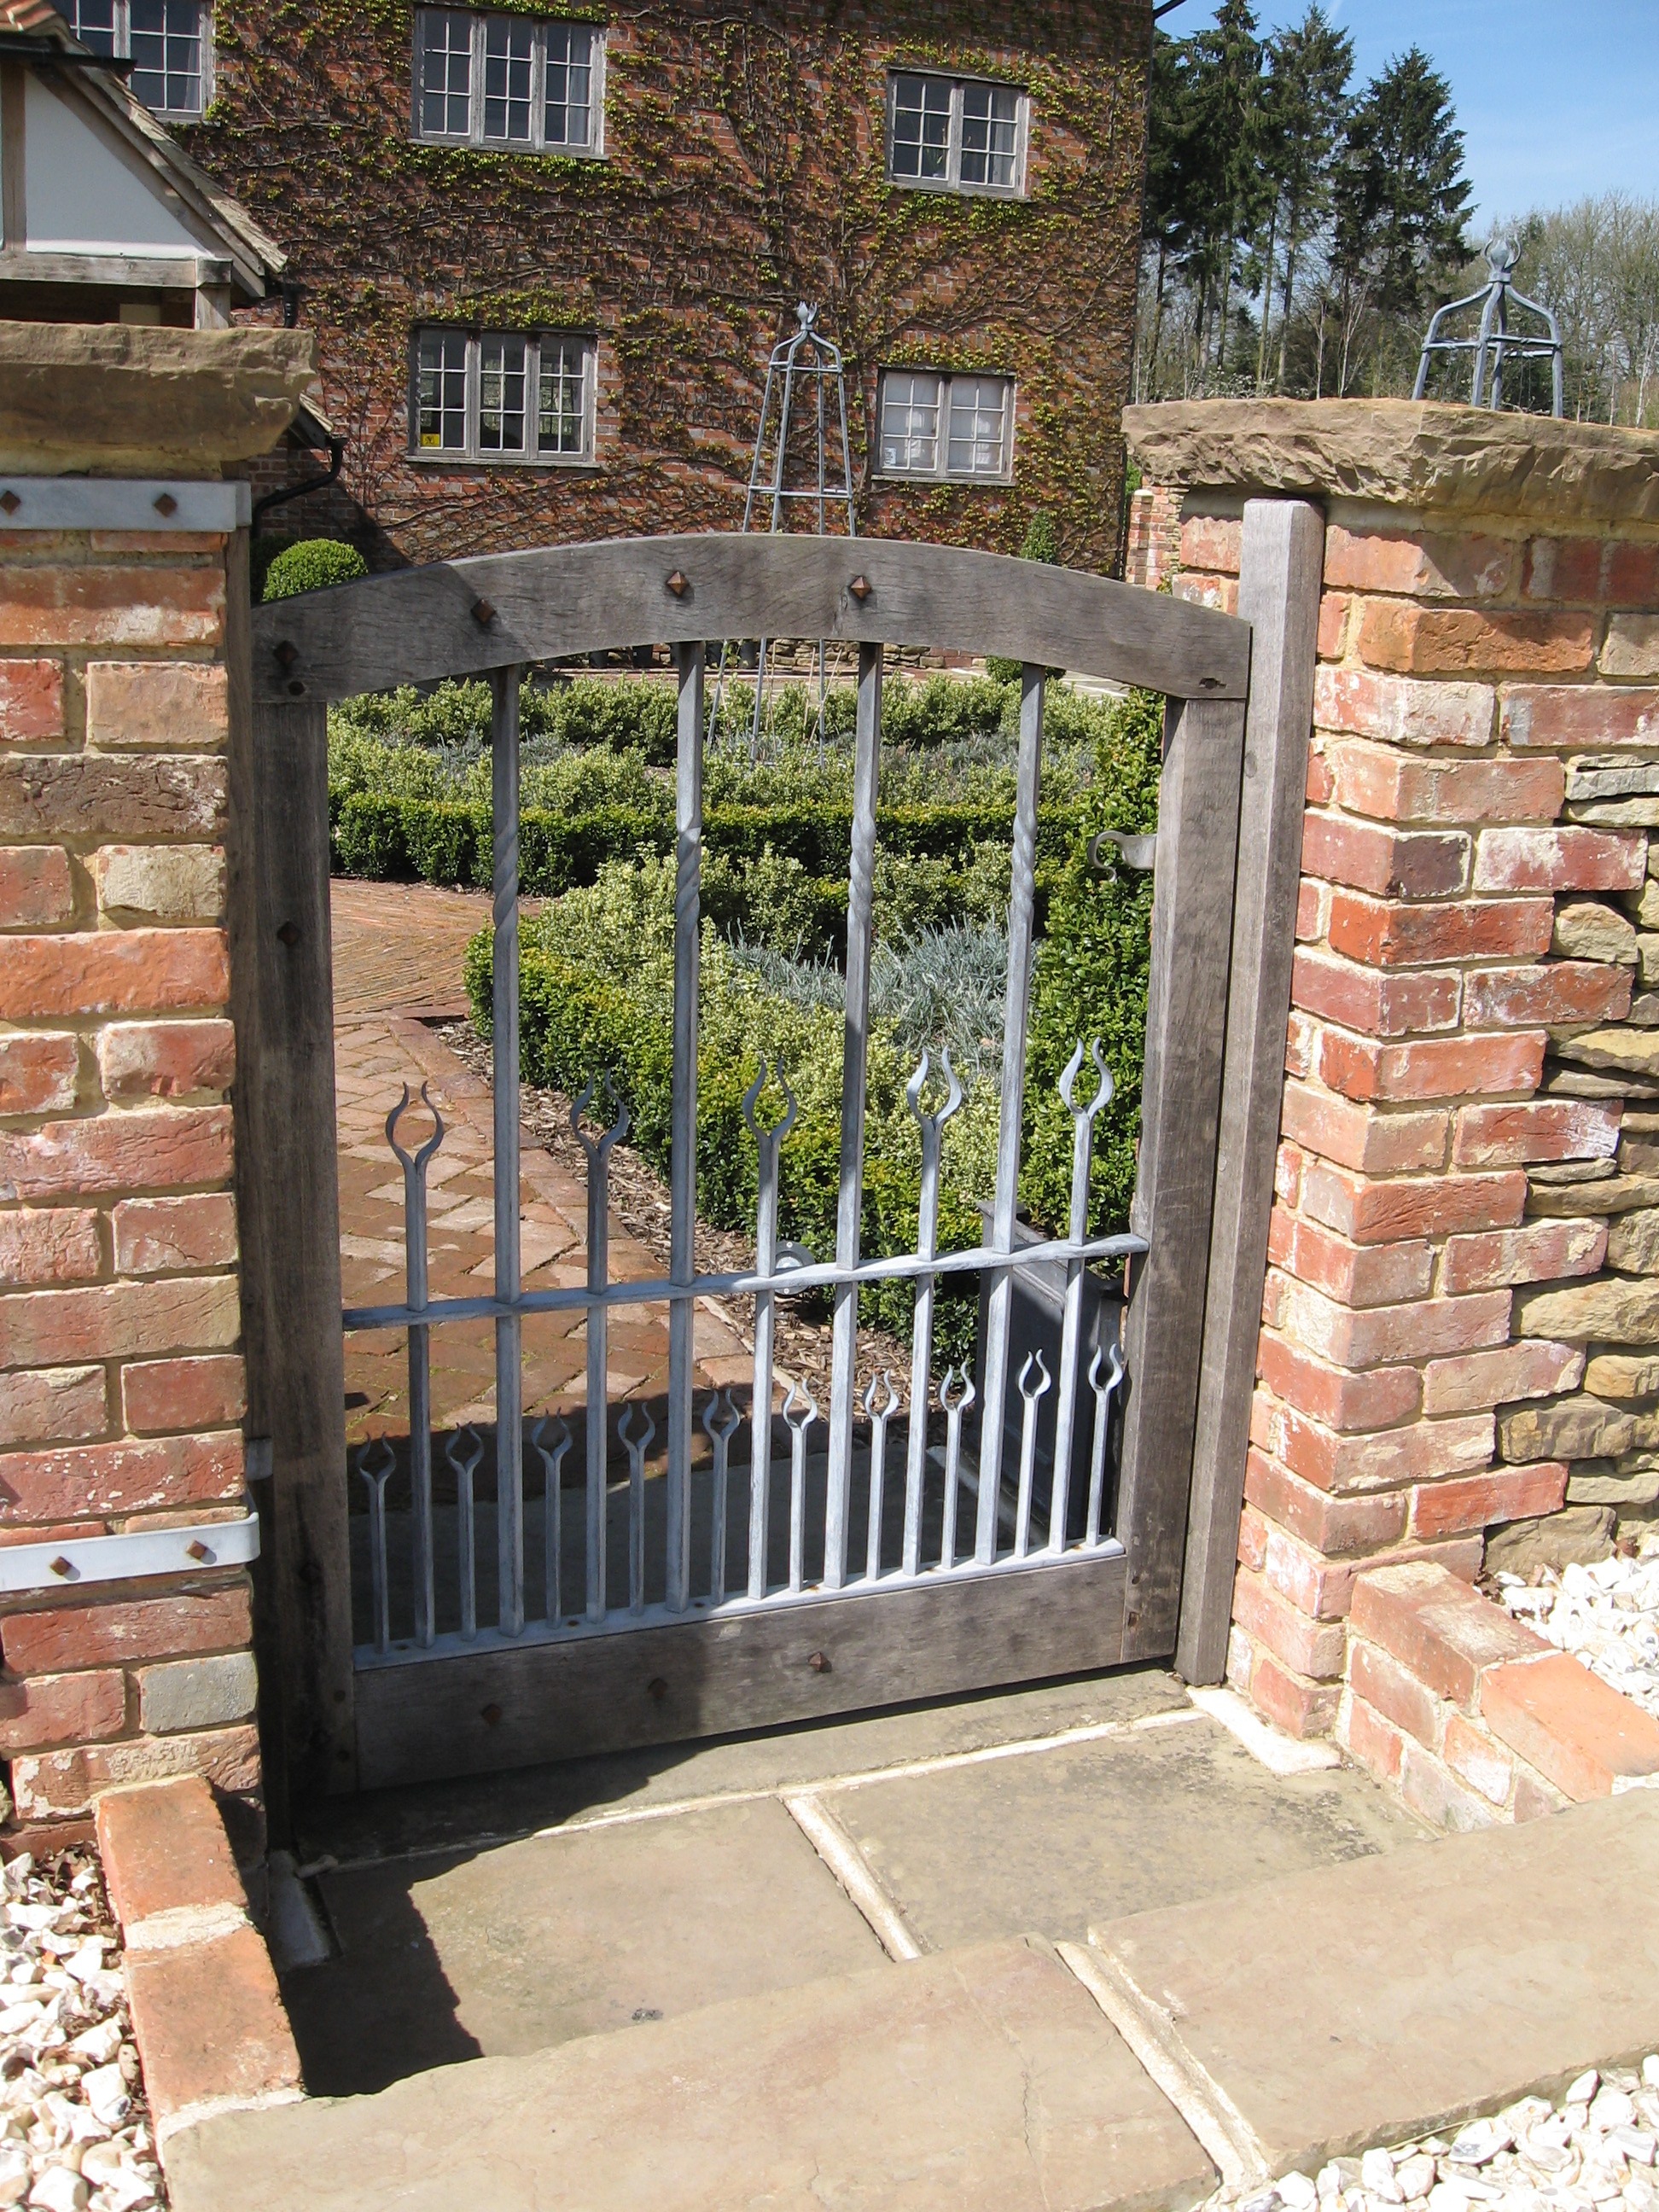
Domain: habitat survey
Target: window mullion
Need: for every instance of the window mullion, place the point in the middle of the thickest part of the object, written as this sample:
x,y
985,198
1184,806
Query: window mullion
x,y
475,91
953,151
474,394
538,92
532,394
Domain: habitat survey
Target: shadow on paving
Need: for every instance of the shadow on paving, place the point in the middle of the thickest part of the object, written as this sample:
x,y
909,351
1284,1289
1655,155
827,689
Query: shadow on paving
x,y
491,1916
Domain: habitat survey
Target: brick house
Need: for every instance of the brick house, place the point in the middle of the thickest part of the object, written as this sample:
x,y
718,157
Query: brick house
x,y
545,250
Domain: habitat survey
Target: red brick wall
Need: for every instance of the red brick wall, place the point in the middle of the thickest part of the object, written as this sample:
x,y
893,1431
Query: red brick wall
x,y
120,1378
1453,1132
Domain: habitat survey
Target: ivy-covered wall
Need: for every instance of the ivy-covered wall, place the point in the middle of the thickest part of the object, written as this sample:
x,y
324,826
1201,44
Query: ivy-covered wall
x,y
744,170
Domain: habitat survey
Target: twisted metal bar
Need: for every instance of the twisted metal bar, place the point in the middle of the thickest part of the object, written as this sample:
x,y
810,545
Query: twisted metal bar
x,y
597,1152
720,1432
376,1478
464,1452
767,1140
1030,1393
1071,1337
415,1165
877,1417
798,1425
636,1444
551,1440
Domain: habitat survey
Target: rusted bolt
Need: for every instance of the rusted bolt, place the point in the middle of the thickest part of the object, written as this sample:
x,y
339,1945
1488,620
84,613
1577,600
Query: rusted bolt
x,y
60,1565
657,1688
164,503
9,501
483,613
287,934
196,1549
860,588
491,1716
678,583
819,1663
286,652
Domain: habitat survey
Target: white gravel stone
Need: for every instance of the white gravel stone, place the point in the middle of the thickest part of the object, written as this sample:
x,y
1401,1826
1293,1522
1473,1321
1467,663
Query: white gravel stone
x,y
73,2133
1607,1615
1297,2192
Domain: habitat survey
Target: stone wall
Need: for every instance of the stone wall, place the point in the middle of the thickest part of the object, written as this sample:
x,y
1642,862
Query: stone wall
x,y
121,1386
744,171
1459,1360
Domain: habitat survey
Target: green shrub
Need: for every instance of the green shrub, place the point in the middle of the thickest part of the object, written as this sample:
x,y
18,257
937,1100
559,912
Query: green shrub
x,y
310,565
1091,982
1040,544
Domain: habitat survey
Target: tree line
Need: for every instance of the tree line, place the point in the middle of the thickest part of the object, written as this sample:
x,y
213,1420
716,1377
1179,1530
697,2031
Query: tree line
x,y
1301,229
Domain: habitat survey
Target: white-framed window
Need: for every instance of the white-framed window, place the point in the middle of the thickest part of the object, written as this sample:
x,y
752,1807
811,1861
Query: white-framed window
x,y
956,134
508,81
168,42
502,396
957,430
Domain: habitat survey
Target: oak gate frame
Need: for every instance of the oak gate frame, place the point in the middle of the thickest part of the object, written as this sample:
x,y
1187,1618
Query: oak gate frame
x,y
1158,1585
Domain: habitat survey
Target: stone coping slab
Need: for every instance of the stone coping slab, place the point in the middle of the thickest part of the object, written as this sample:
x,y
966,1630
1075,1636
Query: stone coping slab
x,y
983,2080
1368,2002
1404,453
119,399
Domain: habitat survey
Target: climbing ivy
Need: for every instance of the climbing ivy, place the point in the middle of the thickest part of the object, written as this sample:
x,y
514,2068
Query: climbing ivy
x,y
742,170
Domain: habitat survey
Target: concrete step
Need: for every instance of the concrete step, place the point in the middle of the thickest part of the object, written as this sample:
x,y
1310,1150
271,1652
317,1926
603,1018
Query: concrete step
x,y
1373,2001
983,2078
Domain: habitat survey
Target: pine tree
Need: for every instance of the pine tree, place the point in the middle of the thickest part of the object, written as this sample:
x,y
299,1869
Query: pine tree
x,y
1403,199
1305,107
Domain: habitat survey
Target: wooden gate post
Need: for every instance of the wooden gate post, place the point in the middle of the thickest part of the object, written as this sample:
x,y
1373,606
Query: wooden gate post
x,y
1281,566
289,1201
1175,1181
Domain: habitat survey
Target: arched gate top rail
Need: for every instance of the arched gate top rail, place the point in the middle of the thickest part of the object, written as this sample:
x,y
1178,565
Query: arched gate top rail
x,y
464,617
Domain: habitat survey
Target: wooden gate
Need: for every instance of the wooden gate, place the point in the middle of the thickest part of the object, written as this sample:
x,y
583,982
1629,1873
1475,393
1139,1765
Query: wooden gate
x,y
583,1604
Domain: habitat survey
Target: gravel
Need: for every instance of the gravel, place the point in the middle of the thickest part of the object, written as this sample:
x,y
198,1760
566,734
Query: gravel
x,y
74,2130
1595,2148
1607,1615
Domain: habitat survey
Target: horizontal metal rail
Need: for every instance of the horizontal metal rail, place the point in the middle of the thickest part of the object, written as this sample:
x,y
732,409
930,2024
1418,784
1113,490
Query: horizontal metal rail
x,y
784,1282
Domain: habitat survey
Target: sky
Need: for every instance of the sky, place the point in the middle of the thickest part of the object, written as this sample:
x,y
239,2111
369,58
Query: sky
x,y
1557,99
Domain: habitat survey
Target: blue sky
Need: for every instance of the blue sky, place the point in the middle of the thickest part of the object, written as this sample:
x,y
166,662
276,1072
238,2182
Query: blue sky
x,y
1557,98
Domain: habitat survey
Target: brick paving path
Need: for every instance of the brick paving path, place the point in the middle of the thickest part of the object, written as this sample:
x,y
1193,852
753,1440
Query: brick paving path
x,y
397,960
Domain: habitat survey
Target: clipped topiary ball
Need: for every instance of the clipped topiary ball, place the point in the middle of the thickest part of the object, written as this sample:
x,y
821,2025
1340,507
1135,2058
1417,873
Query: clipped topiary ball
x,y
310,564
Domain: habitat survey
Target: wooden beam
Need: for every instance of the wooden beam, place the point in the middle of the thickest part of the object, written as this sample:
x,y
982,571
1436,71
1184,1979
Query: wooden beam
x,y
1175,1181
1279,585
14,211
481,1712
288,1202
463,618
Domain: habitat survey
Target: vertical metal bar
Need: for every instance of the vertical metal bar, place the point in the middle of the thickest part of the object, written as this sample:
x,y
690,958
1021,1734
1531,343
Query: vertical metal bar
x,y
552,1441
1030,1393
854,1058
1070,1339
766,1257
414,1165
877,1417
682,1158
509,1354
799,1423
1105,1373
597,1153
954,1409
636,1444
465,1450
932,1127
1021,899
376,1478
722,1426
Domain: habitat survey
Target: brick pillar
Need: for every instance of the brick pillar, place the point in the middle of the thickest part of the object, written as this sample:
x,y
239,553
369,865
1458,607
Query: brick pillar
x,y
121,1387
1456,1080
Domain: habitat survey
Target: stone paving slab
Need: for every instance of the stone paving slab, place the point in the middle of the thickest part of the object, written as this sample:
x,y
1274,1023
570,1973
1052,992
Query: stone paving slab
x,y
988,2080
1369,2002
1095,1830
502,1951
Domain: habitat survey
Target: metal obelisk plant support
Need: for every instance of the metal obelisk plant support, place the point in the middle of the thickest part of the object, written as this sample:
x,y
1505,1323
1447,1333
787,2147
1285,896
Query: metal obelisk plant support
x,y
1494,343
801,373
